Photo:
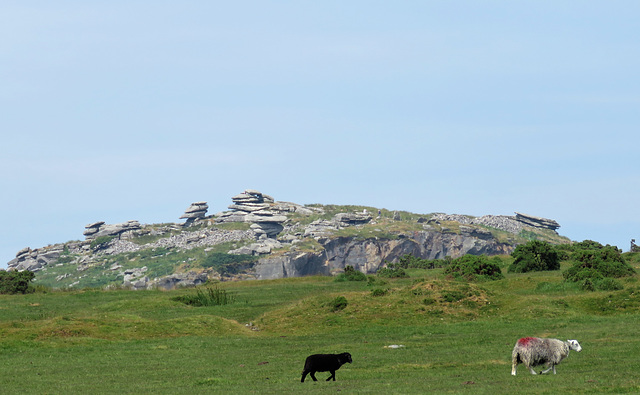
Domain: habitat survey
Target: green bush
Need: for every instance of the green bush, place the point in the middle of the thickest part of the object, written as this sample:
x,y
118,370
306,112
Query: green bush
x,y
378,292
473,268
597,263
392,270
534,256
209,297
409,261
351,274
15,282
339,303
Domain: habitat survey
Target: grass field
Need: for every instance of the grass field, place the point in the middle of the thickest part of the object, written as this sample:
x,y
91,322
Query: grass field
x,y
457,338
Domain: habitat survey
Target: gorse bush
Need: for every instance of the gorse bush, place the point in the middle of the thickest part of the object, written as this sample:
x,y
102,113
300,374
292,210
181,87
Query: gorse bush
x,y
409,261
595,267
392,271
378,292
15,282
534,256
351,274
473,268
339,303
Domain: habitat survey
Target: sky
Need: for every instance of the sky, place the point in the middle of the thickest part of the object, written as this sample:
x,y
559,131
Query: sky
x,y
132,110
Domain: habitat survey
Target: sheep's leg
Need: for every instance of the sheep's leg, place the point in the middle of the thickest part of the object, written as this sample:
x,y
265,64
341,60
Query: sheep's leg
x,y
313,376
549,368
531,370
304,374
333,375
513,369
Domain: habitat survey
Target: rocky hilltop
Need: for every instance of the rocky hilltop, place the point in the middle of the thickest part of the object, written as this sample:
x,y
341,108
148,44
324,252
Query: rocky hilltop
x,y
266,239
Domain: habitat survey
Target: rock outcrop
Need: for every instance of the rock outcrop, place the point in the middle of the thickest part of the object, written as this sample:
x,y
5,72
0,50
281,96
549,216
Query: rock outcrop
x,y
352,219
99,229
260,210
194,212
537,222
288,243
35,260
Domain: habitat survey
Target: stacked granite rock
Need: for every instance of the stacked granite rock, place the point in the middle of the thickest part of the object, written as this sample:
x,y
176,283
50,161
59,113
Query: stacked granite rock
x,y
98,229
34,260
352,219
258,209
196,211
537,222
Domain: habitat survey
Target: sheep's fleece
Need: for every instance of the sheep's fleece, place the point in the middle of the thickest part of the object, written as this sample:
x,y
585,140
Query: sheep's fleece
x,y
534,351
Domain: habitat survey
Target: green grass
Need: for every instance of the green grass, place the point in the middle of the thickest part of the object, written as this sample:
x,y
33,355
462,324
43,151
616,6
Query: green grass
x,y
457,338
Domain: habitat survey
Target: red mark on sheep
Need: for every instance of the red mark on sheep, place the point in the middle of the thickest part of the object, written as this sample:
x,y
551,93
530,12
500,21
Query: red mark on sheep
x,y
526,340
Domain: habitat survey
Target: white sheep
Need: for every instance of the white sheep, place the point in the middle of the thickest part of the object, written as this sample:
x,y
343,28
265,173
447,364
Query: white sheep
x,y
534,351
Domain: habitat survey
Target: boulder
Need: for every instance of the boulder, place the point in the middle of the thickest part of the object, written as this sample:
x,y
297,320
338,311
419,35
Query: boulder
x,y
350,219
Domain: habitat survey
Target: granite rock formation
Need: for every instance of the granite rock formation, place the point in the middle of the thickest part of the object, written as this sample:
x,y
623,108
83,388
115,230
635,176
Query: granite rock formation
x,y
99,229
537,222
194,212
266,217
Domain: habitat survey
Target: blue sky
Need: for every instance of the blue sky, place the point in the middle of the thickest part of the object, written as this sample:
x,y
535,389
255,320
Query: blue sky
x,y
125,110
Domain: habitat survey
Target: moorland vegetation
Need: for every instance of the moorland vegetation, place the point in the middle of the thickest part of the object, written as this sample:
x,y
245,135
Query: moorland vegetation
x,y
452,322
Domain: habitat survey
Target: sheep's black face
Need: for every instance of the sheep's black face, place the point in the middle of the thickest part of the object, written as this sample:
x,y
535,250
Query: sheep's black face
x,y
346,357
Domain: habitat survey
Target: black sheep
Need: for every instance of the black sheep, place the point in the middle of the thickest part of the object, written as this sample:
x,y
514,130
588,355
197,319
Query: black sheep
x,y
324,363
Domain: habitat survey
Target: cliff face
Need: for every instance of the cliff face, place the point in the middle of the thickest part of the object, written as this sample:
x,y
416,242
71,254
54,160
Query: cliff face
x,y
369,255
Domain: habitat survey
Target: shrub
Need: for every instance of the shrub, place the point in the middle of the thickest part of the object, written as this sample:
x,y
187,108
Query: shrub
x,y
598,263
392,271
378,292
534,256
339,303
210,297
351,274
15,282
474,267
409,261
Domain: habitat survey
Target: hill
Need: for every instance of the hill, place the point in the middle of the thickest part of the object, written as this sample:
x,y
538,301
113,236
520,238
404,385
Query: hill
x,y
261,238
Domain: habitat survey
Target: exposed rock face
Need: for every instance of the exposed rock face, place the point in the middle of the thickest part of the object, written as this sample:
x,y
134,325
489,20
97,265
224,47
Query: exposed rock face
x,y
195,211
537,222
98,229
370,255
292,265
